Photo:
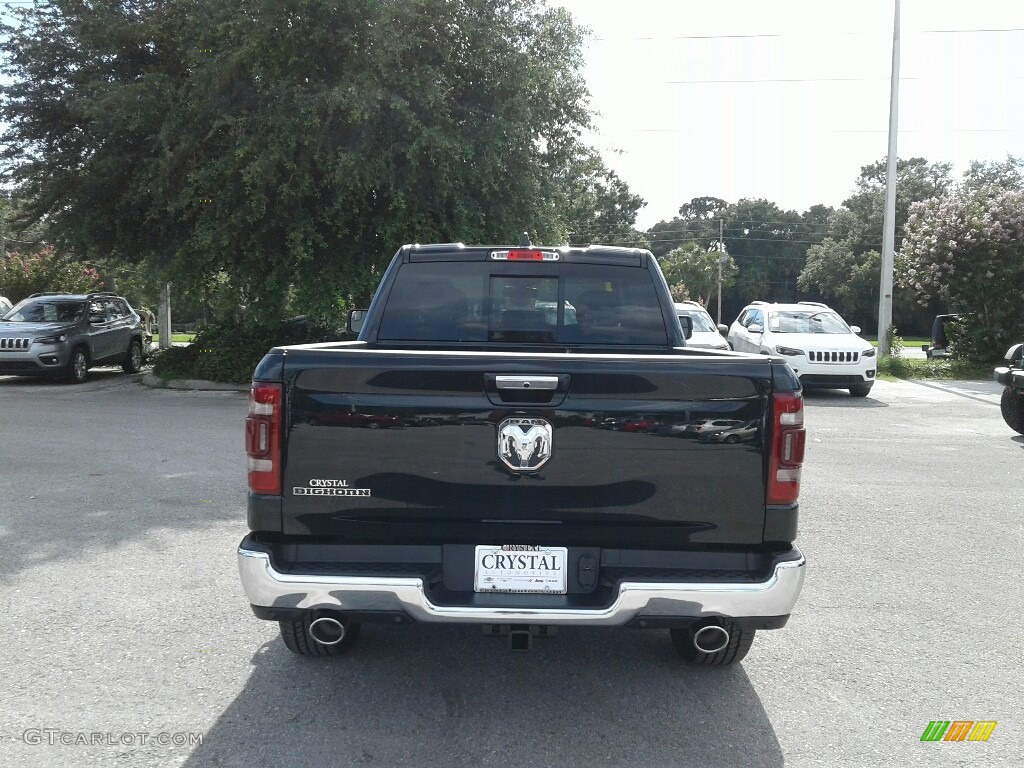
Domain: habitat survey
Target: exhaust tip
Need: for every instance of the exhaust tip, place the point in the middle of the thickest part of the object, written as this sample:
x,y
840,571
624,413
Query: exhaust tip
x,y
710,639
327,631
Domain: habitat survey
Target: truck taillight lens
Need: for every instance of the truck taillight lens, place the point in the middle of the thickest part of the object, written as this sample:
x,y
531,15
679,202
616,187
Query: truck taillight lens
x,y
525,255
263,438
788,439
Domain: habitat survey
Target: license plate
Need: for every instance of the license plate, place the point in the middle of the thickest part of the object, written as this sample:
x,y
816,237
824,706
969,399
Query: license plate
x,y
520,568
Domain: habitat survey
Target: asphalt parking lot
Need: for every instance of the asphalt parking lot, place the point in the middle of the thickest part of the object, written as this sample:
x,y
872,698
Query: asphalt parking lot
x,y
126,638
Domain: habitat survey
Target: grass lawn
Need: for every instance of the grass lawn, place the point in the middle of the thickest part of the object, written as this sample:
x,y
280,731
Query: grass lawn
x,y
912,342
186,338
893,368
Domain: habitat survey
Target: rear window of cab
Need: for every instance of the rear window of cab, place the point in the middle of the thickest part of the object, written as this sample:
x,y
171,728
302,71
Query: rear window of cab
x,y
524,303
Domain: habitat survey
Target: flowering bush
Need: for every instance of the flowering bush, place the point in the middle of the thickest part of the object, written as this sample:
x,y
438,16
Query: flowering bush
x,y
22,275
967,249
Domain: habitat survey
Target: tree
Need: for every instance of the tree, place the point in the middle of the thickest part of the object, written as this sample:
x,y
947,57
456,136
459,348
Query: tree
x,y
851,281
294,145
15,235
697,222
846,268
21,275
967,248
1008,174
599,206
690,269
769,245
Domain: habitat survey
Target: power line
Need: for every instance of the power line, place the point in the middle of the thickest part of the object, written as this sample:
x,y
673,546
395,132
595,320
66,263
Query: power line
x,y
815,35
782,80
838,130
595,236
692,37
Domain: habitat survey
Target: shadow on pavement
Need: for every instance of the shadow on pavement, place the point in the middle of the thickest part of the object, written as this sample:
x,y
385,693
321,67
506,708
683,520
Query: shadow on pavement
x,y
840,398
89,467
431,695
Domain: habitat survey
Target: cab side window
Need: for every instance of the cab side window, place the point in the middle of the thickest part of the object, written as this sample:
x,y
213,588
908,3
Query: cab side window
x,y
749,316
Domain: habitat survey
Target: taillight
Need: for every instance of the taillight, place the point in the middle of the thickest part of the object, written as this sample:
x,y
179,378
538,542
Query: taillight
x,y
787,455
530,254
263,438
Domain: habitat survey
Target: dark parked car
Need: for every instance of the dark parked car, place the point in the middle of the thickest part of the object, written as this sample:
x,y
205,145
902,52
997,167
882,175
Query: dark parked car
x,y
1011,376
940,340
63,335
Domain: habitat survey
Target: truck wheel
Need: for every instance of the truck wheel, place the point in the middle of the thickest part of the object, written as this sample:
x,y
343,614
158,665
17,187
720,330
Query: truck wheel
x,y
1012,406
77,370
739,643
133,360
298,639
861,390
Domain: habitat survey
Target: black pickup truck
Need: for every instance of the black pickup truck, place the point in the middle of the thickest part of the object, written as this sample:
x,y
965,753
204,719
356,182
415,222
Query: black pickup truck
x,y
520,439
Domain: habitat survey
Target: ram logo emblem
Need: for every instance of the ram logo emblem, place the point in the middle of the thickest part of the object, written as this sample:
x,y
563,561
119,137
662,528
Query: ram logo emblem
x,y
524,445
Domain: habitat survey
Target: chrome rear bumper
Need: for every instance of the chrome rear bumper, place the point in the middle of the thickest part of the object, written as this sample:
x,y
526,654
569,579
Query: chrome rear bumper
x,y
268,588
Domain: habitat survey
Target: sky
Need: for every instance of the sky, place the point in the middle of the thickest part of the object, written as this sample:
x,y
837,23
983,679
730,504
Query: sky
x,y
787,100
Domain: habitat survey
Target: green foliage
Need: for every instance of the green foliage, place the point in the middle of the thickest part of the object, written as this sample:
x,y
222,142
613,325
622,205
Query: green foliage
x,y
294,146
598,204
679,291
848,281
967,249
45,270
17,234
1008,174
229,353
895,367
845,268
767,244
895,341
696,270
943,368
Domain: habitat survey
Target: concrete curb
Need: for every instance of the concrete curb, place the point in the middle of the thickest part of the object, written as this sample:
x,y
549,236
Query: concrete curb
x,y
156,382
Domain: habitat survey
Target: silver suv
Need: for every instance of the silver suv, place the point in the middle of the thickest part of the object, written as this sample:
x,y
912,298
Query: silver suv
x,y
63,335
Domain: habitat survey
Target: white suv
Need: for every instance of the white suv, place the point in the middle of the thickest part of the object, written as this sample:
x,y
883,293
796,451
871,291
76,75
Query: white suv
x,y
705,333
823,351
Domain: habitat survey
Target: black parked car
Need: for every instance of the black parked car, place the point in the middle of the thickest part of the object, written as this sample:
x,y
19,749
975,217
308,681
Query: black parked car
x,y
940,341
1011,376
63,335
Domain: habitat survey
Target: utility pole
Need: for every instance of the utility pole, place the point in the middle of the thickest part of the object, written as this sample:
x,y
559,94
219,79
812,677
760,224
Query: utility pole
x,y
164,317
721,252
889,226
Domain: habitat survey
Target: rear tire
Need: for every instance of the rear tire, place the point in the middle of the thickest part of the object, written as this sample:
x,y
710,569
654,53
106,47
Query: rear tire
x,y
77,370
133,361
739,643
861,390
297,638
1011,404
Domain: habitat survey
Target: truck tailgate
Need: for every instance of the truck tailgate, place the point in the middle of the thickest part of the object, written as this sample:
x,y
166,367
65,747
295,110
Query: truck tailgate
x,y
382,442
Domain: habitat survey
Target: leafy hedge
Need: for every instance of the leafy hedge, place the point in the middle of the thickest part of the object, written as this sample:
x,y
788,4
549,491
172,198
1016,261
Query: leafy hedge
x,y
229,353
942,368
21,275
